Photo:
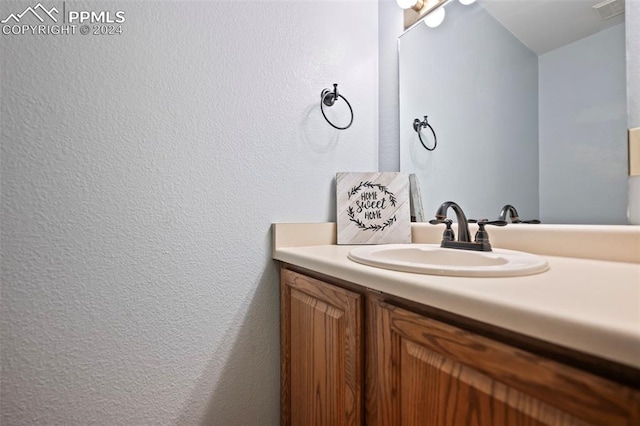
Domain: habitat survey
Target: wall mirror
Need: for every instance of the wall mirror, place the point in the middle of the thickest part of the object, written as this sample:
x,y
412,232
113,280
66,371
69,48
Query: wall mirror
x,y
537,119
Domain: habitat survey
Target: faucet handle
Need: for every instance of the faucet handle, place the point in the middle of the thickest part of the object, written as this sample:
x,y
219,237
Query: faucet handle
x,y
483,222
518,220
448,234
439,220
482,236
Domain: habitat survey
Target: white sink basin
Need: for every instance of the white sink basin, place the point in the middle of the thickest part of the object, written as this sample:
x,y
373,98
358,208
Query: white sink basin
x,y
434,260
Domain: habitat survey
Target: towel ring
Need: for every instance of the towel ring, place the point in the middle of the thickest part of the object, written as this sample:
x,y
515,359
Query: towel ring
x,y
418,126
329,98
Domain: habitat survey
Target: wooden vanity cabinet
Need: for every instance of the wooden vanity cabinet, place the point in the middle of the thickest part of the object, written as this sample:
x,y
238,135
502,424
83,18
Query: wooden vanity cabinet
x,y
321,346
422,371
426,372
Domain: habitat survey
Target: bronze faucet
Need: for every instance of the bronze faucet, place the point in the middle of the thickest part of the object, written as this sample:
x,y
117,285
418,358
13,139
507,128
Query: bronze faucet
x,y
461,218
481,240
511,211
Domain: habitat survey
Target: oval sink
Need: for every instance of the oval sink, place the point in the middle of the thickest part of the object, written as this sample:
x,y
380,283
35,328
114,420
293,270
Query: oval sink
x,y
435,260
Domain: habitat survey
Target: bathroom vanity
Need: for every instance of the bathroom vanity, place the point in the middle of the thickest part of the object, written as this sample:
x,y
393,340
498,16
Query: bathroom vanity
x,y
366,345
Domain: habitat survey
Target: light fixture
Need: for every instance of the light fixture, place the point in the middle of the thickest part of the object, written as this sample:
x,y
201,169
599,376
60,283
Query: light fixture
x,y
410,4
435,18
432,11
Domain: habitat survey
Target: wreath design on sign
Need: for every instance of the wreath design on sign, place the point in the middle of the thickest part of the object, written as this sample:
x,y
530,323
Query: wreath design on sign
x,y
371,202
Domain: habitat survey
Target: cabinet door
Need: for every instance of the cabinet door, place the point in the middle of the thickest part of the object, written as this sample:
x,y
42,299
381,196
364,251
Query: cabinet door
x,y
321,353
424,372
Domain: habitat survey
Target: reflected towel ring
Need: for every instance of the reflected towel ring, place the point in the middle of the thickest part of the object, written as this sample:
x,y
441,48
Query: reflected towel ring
x,y
418,126
329,98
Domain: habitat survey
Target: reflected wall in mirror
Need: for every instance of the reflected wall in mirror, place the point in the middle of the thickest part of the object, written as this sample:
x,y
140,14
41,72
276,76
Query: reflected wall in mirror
x,y
543,131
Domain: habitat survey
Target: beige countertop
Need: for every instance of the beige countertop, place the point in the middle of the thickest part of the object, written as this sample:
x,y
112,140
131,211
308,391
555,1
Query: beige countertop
x,y
582,302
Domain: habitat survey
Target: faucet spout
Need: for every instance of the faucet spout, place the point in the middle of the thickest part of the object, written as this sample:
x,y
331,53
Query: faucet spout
x,y
461,218
511,211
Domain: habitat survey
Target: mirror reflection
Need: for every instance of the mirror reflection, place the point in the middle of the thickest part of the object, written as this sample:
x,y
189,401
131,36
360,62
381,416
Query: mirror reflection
x,y
536,120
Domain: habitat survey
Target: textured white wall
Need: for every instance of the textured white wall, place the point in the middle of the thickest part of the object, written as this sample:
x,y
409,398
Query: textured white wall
x,y
482,103
140,176
583,127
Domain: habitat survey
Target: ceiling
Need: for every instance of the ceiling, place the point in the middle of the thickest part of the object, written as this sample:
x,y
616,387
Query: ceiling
x,y
545,25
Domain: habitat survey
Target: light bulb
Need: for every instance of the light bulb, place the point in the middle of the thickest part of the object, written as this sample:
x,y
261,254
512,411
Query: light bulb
x,y
410,4
435,18
467,2
406,4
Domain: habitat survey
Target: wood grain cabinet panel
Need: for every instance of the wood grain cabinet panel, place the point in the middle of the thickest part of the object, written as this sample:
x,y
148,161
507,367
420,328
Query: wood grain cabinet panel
x,y
350,357
322,350
425,372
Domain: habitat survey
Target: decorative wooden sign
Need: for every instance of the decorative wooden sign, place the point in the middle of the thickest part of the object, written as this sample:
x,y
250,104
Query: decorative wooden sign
x,y
373,208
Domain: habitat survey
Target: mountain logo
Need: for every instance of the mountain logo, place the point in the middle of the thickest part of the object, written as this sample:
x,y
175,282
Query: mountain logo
x,y
39,11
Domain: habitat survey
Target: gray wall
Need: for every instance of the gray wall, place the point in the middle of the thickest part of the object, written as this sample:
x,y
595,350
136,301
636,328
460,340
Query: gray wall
x,y
140,176
583,125
632,27
478,85
390,27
